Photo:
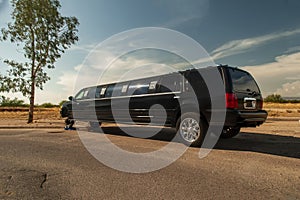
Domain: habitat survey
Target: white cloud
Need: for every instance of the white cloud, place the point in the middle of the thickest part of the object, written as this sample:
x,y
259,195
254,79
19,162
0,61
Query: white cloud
x,y
281,76
68,80
96,71
50,96
292,50
289,89
239,46
86,48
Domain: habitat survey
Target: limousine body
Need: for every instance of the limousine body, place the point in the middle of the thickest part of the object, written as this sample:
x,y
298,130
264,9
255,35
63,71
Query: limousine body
x,y
181,100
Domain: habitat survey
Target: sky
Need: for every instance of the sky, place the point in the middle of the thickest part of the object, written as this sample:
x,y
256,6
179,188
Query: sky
x,y
262,37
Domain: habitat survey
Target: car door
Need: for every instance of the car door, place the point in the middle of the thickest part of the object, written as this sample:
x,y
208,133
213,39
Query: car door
x,y
119,103
168,95
83,104
141,99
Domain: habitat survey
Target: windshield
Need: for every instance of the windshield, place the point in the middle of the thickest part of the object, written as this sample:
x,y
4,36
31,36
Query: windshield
x,y
86,93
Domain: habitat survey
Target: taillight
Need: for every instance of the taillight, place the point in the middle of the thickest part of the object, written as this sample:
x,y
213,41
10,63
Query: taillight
x,y
261,103
231,101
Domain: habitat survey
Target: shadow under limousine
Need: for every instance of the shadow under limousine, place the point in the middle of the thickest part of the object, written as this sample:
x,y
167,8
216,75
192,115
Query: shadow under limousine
x,y
287,146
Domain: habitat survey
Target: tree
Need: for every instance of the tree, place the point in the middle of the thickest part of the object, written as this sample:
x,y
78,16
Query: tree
x,y
44,35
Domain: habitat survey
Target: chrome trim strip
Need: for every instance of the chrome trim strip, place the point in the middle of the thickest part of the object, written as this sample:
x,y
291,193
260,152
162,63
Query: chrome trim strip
x,y
129,96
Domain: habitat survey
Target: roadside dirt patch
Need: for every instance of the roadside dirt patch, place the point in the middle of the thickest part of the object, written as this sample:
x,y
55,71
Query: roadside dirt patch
x,y
22,113
283,109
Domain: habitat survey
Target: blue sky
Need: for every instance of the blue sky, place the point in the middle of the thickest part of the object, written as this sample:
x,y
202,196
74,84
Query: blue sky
x,y
260,36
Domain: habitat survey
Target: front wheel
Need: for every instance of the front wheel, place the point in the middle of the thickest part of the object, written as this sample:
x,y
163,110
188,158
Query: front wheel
x,y
229,132
191,129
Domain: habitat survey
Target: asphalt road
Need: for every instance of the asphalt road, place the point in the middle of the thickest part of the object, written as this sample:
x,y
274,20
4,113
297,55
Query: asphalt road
x,y
54,164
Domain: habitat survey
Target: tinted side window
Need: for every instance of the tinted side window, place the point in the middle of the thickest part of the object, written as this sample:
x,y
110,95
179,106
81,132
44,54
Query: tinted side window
x,y
242,81
120,89
91,93
137,88
116,90
169,83
109,91
98,91
102,91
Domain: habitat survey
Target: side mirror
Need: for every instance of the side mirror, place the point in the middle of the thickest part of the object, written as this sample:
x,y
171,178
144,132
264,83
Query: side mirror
x,y
71,98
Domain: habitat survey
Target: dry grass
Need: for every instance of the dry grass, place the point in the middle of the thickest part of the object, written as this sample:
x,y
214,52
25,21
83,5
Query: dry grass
x,y
282,105
39,114
283,109
274,110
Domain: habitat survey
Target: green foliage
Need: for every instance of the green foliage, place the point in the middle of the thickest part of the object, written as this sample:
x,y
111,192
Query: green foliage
x,y
274,98
293,101
7,102
48,105
44,35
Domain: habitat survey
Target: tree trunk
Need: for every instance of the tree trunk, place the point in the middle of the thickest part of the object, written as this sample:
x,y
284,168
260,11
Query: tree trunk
x,y
33,74
31,100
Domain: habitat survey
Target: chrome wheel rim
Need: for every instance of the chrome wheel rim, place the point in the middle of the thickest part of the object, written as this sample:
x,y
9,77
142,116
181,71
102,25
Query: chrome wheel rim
x,y
190,129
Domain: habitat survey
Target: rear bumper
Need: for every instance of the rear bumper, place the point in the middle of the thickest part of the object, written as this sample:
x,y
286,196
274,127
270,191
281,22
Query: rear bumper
x,y
245,118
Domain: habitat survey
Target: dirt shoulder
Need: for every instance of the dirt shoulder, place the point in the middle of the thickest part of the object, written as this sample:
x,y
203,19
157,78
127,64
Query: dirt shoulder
x,y
43,118
283,109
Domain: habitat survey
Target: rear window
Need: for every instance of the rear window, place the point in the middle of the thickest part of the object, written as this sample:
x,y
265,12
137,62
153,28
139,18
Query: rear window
x,y
243,81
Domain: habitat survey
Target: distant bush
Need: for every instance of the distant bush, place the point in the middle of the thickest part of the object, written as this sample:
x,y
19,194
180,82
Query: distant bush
x,y
293,101
47,105
7,102
276,98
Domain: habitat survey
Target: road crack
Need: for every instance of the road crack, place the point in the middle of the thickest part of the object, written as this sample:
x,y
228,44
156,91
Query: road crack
x,y
45,178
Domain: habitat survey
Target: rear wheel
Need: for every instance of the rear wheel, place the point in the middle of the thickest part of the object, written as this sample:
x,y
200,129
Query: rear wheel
x,y
229,132
191,129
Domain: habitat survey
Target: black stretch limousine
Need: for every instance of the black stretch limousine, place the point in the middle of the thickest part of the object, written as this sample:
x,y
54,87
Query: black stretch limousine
x,y
184,96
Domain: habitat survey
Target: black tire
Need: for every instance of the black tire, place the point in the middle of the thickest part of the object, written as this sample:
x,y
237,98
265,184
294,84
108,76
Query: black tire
x,y
190,129
229,132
